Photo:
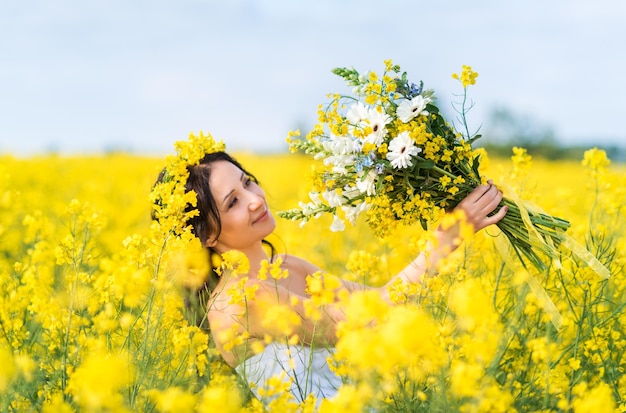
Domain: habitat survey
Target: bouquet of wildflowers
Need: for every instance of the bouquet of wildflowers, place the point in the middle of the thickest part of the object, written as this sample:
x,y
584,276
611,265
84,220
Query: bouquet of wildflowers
x,y
388,154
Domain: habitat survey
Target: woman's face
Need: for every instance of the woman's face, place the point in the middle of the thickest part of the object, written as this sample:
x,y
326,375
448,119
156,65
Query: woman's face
x,y
246,220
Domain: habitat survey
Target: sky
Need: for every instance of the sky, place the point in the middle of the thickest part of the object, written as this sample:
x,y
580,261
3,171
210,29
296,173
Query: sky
x,y
89,76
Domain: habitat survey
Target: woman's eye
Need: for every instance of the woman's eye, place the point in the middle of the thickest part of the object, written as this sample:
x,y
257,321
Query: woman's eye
x,y
248,182
232,203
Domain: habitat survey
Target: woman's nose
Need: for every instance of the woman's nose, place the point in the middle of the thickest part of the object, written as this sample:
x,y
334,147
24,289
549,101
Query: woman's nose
x,y
256,201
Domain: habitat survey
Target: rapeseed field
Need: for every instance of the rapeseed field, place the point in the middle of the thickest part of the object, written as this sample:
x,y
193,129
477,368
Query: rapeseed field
x,y
92,316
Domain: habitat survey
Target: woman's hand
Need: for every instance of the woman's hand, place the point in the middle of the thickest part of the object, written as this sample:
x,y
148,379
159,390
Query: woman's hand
x,y
481,202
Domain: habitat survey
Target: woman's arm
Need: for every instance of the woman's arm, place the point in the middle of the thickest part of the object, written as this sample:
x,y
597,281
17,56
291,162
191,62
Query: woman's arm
x,y
477,207
320,329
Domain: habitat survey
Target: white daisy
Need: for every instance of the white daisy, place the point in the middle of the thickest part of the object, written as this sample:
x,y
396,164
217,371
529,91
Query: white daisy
x,y
361,116
378,122
401,149
409,109
357,113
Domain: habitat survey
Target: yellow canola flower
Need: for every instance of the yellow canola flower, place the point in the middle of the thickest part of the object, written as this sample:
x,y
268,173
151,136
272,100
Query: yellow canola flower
x,y
174,400
467,76
444,181
418,351
190,345
592,400
276,395
194,265
8,370
57,404
25,366
596,159
234,337
222,397
273,269
401,292
98,381
521,158
280,320
364,266
390,86
241,292
236,262
136,288
465,378
492,399
384,340
350,399
290,139
472,306
322,289
540,349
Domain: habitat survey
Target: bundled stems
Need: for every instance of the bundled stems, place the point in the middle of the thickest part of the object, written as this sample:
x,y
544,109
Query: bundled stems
x,y
546,233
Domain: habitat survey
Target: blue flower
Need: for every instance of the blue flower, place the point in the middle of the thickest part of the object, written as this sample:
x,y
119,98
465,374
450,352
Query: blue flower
x,y
415,89
363,162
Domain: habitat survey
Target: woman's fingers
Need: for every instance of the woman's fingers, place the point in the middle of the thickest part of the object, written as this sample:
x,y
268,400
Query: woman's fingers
x,y
490,199
495,218
477,193
481,202
483,196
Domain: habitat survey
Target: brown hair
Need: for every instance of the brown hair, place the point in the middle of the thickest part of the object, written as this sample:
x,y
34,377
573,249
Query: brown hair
x,y
206,224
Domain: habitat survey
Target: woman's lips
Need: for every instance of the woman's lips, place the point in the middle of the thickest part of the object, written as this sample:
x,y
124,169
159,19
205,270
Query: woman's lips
x,y
261,217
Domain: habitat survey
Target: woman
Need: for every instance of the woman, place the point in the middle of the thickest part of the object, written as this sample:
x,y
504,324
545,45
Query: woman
x,y
234,215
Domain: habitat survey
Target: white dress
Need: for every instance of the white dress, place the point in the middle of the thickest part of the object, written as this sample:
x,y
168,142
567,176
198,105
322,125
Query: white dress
x,y
305,369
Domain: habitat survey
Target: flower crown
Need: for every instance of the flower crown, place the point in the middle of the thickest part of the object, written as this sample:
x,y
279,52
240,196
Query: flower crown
x,y
169,198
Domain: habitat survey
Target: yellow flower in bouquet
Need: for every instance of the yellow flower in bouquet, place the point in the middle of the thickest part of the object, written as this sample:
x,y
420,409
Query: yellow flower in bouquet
x,y
389,155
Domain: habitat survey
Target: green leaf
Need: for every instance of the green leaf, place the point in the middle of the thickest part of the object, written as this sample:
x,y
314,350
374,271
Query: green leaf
x,y
476,165
432,108
425,164
424,224
475,137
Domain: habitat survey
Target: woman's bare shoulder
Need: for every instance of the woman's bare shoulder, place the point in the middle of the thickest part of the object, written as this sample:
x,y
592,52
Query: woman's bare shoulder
x,y
292,261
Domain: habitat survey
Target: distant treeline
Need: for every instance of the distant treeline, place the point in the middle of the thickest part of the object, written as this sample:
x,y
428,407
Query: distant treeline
x,y
552,151
506,129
